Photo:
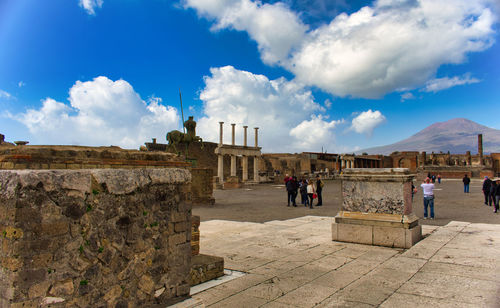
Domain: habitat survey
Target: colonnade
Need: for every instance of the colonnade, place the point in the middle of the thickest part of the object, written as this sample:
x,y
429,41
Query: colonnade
x,y
234,150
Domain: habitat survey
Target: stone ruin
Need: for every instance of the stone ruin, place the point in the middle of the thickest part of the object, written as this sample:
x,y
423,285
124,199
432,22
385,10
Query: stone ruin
x,y
91,238
377,208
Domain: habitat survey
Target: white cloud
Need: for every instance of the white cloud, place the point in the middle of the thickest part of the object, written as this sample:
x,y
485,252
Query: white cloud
x,y
275,28
366,122
21,84
314,133
390,45
407,96
5,94
282,109
91,5
328,103
101,112
439,84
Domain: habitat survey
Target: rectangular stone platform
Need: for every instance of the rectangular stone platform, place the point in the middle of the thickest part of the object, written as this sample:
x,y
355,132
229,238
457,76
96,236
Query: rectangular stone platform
x,y
391,230
377,208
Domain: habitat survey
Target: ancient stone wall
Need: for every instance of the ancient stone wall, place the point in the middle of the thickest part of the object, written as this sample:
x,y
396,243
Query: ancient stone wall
x,y
202,185
94,238
79,157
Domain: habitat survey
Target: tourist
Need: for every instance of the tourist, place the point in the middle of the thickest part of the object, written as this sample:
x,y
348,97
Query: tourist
x,y
466,181
295,189
428,189
290,188
486,190
491,197
303,193
439,178
433,178
319,189
286,179
310,192
497,194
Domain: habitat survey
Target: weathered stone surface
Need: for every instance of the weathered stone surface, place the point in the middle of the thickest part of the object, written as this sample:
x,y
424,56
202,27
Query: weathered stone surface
x,y
94,238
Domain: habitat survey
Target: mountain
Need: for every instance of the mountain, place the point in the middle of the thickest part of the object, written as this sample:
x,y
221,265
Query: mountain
x,y
456,135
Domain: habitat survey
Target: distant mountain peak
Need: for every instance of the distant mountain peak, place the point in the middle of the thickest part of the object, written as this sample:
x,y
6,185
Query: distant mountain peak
x,y
457,135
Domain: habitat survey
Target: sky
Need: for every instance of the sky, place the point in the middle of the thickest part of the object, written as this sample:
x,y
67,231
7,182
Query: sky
x,y
314,75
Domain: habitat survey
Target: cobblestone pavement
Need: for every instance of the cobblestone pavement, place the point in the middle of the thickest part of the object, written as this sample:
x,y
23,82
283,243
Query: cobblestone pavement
x,y
294,263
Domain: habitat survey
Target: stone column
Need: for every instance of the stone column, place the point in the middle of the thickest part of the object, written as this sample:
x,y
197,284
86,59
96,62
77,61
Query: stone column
x,y
256,169
256,136
221,133
232,134
220,168
233,165
245,135
342,163
480,147
244,163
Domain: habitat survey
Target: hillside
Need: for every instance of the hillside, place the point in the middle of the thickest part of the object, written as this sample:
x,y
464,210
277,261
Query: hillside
x,y
456,135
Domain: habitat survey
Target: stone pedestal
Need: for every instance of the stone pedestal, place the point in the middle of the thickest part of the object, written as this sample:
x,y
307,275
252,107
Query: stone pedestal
x,y
232,182
377,208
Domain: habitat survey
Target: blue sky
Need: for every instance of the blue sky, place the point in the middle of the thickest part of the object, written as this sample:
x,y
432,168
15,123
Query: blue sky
x,y
312,74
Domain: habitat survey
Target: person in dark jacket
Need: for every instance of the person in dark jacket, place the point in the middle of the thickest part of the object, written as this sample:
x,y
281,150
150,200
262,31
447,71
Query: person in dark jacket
x,y
486,190
291,189
319,189
466,181
303,193
491,197
497,194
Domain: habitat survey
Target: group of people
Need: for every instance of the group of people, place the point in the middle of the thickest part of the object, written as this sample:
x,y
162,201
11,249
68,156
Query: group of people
x,y
491,191
309,190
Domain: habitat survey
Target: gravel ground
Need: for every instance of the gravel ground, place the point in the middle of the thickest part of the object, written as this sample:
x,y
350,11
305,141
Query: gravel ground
x,y
266,202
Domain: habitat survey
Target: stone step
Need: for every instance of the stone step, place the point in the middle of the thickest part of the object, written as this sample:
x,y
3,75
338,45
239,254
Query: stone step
x,y
205,268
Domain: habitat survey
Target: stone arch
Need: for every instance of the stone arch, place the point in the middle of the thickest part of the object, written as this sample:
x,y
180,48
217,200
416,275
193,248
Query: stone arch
x,y
404,163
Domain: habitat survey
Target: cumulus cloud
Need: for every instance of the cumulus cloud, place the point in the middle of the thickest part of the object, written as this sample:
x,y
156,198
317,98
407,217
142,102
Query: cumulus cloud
x,y
407,96
21,84
91,5
390,45
439,84
5,94
275,28
287,114
101,112
367,121
314,133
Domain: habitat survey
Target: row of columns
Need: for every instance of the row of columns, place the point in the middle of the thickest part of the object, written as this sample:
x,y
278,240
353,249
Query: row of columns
x,y
220,165
233,135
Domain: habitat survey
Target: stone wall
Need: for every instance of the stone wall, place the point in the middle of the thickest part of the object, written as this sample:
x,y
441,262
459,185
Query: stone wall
x,y
80,157
94,238
202,185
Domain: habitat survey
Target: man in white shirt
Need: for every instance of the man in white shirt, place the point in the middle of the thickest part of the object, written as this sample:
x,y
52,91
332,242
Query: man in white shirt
x,y
428,189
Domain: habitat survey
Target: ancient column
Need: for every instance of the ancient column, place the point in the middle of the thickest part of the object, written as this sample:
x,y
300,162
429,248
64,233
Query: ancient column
x,y
480,147
468,158
256,136
244,163
220,168
233,134
233,165
342,163
245,135
256,168
221,134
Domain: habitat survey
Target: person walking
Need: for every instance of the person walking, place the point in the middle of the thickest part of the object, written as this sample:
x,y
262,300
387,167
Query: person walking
x,y
439,178
486,189
428,189
497,194
491,196
466,181
303,193
310,192
319,189
290,188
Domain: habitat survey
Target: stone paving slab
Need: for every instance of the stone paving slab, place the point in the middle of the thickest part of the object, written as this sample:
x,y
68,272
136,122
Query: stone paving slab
x,y
294,263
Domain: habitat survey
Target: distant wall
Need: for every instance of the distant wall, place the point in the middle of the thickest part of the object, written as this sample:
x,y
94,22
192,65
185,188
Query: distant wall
x,y
94,238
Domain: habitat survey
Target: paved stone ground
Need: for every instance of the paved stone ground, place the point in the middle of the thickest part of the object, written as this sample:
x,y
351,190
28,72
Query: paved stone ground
x,y
294,263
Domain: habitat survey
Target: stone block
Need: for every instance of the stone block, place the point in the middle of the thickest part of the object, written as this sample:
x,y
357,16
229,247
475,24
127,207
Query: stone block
x,y
389,236
413,236
355,234
335,232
